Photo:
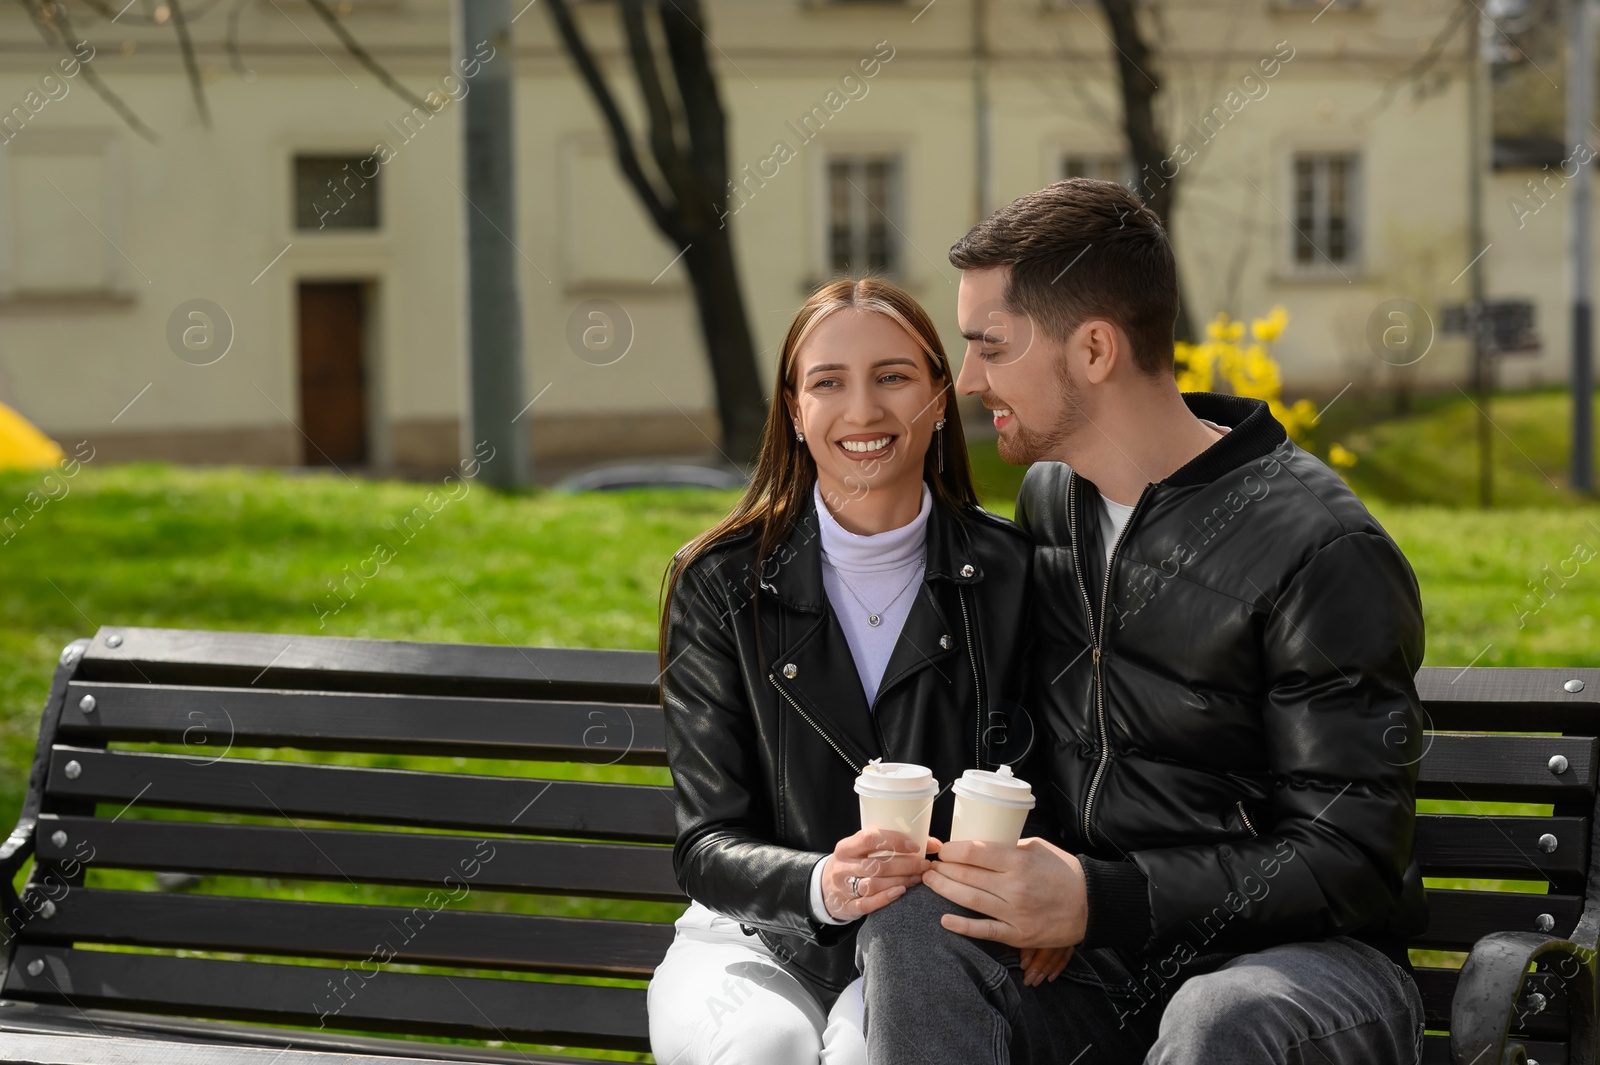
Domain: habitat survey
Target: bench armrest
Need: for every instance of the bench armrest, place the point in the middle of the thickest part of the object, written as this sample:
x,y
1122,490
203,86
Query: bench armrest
x,y
16,850
1488,999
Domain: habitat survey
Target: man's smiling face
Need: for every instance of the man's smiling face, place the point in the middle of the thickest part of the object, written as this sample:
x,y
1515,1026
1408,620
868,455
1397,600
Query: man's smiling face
x,y
1020,374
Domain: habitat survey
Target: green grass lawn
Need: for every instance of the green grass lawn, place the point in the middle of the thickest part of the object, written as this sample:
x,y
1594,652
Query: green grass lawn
x,y
259,551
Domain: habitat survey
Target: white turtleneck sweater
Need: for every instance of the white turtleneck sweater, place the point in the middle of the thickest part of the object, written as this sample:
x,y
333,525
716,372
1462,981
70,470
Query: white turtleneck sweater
x,y
884,570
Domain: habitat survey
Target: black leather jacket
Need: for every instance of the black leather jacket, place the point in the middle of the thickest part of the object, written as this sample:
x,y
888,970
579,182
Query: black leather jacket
x,y
766,736
1236,736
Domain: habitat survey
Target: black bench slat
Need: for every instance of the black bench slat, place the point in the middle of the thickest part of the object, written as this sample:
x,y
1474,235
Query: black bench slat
x,y
1506,768
426,934
1436,1051
638,812
591,870
611,1018
1438,988
131,1030
1500,847
1531,697
337,663
1458,919
208,720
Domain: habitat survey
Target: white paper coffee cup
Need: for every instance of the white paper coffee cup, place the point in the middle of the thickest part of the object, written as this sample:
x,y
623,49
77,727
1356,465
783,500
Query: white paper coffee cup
x,y
898,797
990,806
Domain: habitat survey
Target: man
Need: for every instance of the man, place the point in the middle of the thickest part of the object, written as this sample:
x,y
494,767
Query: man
x,y
1229,722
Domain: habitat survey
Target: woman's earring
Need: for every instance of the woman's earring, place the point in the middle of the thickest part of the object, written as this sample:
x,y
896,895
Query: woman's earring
x,y
938,441
798,435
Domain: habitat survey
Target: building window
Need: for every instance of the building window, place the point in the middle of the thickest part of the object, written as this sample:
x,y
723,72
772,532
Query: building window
x,y
335,192
863,202
1103,167
1325,210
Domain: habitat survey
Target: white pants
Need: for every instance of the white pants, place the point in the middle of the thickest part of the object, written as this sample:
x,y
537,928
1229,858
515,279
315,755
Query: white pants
x,y
719,998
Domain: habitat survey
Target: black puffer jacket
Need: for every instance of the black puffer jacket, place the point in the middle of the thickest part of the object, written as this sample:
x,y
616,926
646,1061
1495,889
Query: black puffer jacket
x,y
1236,738
765,740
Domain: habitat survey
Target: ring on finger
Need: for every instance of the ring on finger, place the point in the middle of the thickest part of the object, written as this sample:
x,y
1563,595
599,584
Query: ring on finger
x,y
855,886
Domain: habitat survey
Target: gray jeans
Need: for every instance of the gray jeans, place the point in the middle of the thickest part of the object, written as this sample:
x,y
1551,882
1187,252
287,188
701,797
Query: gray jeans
x,y
933,996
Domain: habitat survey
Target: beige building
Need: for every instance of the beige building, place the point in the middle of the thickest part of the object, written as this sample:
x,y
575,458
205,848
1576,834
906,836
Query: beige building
x,y
210,297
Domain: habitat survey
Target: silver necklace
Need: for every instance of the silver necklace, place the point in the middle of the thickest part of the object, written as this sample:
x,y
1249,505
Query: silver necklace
x,y
875,617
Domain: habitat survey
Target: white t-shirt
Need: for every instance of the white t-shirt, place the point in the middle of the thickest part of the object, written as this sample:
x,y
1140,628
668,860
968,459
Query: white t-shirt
x,y
1114,515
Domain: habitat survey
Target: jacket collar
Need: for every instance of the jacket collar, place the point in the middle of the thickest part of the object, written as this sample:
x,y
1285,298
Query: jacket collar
x,y
1253,432
793,572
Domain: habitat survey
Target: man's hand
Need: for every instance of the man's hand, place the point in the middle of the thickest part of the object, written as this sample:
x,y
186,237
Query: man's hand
x,y
1033,892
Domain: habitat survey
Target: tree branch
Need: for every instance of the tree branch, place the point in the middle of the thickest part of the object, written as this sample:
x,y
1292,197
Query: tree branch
x,y
230,41
663,137
364,57
186,46
1420,66
666,217
702,106
57,29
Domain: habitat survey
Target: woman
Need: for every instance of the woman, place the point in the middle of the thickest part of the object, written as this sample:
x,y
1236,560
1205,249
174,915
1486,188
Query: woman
x,y
856,604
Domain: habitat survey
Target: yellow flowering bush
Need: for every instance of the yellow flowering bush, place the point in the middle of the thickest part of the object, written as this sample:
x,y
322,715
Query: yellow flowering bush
x,y
1248,369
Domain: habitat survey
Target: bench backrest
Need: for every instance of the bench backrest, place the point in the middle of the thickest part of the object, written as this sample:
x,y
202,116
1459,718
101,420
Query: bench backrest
x,y
255,795
1498,736
267,763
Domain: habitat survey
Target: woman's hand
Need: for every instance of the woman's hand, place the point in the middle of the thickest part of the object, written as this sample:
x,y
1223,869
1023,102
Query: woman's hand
x,y
1044,963
886,862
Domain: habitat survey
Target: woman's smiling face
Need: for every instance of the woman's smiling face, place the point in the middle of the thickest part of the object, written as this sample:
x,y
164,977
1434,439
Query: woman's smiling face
x,y
866,399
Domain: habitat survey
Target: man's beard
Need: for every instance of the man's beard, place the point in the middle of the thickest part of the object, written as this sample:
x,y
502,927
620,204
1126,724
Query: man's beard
x,y
1023,446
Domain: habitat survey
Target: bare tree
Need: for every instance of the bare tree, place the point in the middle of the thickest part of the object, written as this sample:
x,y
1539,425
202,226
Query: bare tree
x,y
686,195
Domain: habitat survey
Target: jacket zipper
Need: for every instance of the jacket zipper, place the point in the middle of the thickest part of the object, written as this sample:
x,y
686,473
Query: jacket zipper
x,y
1246,818
1097,636
977,685
839,750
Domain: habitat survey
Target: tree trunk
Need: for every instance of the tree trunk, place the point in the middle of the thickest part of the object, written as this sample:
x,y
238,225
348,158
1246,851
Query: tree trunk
x,y
1146,145
726,332
687,198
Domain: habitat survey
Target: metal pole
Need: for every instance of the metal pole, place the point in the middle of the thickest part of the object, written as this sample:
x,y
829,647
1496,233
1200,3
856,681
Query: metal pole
x,y
1475,167
1580,93
494,302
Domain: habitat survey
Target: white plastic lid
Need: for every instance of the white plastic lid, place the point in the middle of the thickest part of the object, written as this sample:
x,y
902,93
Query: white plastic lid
x,y
896,780
999,787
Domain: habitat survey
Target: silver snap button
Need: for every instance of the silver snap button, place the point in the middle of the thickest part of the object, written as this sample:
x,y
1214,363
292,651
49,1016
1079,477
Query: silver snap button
x,y
1537,1002
945,642
790,669
69,654
58,838
967,570
35,967
1558,764
1574,685
72,769
47,910
1544,922
114,640
1547,843
86,704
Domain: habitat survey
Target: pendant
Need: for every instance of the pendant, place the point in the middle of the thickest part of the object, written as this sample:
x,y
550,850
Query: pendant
x,y
873,619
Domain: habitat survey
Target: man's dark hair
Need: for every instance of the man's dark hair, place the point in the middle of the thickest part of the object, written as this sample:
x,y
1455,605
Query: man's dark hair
x,y
1080,249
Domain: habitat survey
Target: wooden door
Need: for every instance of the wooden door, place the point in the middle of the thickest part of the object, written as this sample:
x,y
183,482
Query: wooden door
x,y
333,392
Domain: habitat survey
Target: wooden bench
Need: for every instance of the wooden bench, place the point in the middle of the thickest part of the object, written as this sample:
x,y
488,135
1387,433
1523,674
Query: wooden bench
x,y
108,967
